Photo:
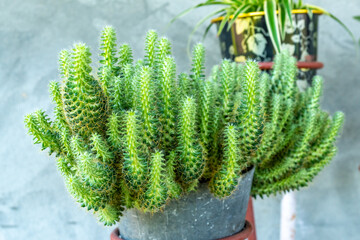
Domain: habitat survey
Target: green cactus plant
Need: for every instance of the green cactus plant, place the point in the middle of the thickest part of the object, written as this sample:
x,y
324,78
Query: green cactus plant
x,y
138,136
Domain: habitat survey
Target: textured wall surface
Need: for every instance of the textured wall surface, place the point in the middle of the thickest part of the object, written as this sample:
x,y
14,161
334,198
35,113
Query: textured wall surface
x,y
33,201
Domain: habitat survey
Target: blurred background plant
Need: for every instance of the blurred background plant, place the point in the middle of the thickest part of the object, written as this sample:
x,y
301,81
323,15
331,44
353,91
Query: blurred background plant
x,y
277,13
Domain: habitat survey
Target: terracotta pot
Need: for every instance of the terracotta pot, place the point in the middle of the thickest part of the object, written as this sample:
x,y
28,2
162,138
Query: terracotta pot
x,y
300,65
306,72
244,234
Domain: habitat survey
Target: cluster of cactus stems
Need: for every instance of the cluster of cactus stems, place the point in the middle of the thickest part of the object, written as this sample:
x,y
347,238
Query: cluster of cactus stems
x,y
137,135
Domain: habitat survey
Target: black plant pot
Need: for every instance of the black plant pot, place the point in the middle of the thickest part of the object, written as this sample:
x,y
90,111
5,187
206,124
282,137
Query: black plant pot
x,y
249,38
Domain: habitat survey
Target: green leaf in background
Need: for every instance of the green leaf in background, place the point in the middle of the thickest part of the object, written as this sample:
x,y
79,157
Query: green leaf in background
x,y
358,19
198,25
288,7
207,29
310,13
282,20
309,6
223,22
299,4
240,10
272,24
207,3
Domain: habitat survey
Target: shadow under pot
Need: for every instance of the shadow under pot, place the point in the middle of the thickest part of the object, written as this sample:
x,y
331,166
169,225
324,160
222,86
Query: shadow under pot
x,y
249,38
197,215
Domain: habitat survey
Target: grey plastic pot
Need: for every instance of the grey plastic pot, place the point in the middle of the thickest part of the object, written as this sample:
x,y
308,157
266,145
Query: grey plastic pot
x,y
196,216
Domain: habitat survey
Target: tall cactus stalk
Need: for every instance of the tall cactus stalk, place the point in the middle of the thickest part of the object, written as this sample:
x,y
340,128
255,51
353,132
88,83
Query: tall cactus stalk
x,y
139,135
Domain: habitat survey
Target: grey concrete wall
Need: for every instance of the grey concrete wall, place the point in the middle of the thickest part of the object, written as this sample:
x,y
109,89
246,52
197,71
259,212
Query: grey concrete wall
x,y
33,201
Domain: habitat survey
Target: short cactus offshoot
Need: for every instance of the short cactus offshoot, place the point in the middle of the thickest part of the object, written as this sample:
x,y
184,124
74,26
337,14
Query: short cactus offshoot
x,y
139,136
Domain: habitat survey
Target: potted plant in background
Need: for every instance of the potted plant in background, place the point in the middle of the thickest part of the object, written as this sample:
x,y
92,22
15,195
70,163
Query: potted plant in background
x,y
257,29
174,157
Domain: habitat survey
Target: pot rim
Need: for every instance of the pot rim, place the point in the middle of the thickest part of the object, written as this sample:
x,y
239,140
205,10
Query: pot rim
x,y
262,13
244,234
